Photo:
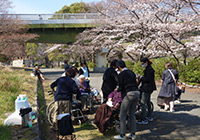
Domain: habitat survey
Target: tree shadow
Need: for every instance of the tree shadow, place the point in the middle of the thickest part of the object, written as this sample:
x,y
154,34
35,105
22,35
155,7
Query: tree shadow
x,y
168,126
186,101
186,107
84,126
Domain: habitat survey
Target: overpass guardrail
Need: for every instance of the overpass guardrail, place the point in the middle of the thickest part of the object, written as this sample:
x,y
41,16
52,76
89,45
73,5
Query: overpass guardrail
x,y
65,18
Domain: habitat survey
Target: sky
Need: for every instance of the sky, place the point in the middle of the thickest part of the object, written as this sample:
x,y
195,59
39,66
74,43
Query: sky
x,y
41,6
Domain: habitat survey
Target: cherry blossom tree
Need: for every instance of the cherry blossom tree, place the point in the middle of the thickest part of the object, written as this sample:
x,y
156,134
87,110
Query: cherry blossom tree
x,y
152,28
13,33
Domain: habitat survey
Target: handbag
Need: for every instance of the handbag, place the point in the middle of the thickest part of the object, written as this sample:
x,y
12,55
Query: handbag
x,y
176,83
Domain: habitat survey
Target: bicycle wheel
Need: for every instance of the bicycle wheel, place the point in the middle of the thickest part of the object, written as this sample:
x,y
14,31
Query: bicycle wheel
x,y
51,115
49,107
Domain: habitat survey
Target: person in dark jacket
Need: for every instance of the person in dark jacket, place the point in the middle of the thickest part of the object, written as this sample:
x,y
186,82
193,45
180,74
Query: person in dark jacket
x,y
63,94
110,80
147,88
130,95
168,88
37,72
66,65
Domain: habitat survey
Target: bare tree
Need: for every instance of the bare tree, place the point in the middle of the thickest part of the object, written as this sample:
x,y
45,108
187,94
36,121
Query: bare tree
x,y
13,33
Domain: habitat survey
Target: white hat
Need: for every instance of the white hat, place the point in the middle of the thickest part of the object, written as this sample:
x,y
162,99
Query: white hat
x,y
81,76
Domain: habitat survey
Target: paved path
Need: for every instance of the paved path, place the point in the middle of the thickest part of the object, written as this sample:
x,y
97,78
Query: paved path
x,y
184,124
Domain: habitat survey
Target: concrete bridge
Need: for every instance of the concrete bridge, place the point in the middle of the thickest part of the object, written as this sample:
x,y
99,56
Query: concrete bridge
x,y
58,28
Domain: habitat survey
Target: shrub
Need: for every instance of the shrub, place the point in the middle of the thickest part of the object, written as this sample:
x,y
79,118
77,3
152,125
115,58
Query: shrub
x,y
91,65
159,66
187,73
191,72
136,68
129,64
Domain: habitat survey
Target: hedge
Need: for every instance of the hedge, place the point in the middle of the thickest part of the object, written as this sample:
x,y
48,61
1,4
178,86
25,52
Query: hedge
x,y
189,73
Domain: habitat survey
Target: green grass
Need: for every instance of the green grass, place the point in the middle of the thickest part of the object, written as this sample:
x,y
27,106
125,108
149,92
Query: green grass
x,y
5,133
88,132
13,83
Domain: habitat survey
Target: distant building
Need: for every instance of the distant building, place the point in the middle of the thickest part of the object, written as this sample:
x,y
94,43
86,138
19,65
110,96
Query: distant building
x,y
21,62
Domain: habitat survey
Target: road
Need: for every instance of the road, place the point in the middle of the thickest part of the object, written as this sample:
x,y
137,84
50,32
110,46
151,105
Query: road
x,y
183,124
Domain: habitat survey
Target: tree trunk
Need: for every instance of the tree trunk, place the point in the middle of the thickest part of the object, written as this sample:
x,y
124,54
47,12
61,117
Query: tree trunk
x,y
177,61
185,60
47,65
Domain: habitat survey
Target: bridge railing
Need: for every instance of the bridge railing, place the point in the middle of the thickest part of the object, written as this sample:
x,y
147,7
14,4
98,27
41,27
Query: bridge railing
x,y
77,18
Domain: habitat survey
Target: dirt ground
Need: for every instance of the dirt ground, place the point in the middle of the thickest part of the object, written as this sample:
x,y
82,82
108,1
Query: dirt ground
x,y
183,124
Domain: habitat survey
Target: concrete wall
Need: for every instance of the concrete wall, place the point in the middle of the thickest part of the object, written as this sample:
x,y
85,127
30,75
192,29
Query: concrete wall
x,y
101,61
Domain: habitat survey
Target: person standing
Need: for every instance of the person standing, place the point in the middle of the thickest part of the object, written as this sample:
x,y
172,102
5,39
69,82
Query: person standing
x,y
168,88
85,71
130,95
110,80
37,72
147,88
63,94
66,65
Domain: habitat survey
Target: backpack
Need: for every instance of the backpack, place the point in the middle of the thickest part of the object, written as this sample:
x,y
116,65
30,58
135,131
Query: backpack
x,y
65,125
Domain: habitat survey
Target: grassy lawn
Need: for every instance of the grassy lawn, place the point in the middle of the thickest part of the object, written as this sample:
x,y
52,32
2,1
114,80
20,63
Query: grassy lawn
x,y
13,83
88,132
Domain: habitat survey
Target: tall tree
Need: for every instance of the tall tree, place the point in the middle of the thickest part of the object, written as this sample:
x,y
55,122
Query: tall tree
x,y
81,7
152,28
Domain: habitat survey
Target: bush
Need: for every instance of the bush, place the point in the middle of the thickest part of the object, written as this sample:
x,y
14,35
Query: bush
x,y
136,68
129,64
191,72
159,66
91,65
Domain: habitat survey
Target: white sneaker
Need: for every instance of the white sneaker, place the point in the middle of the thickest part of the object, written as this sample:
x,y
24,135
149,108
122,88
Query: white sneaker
x,y
166,107
119,137
150,119
172,110
177,102
142,122
131,136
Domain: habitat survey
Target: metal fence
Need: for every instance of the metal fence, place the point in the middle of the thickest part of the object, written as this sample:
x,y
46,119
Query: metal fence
x,y
65,18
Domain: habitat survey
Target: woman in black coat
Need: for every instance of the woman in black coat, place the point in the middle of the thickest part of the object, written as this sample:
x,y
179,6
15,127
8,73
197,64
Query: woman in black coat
x,y
147,88
110,80
168,88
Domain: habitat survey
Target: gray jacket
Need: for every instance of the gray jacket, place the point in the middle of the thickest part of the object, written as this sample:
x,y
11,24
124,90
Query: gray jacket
x,y
168,88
